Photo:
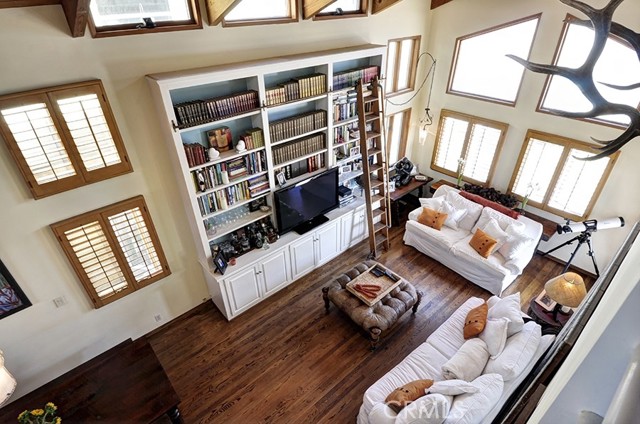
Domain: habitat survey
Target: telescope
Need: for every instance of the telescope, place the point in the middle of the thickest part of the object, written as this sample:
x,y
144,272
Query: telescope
x,y
591,225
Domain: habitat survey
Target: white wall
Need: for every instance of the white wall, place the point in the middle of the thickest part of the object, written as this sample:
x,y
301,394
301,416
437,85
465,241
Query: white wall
x,y
43,342
462,17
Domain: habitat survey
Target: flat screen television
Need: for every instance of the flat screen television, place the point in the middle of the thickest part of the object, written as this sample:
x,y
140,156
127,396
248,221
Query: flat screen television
x,y
301,206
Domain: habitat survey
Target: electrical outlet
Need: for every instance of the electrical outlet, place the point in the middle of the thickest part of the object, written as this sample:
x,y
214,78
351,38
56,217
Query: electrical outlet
x,y
157,317
60,301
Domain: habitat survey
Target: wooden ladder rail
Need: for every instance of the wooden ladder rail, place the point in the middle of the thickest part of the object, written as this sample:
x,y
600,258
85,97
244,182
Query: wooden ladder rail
x,y
371,113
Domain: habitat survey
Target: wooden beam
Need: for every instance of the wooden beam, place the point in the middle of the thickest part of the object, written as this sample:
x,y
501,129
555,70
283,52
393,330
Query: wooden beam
x,y
380,5
438,3
216,9
77,13
311,7
5,4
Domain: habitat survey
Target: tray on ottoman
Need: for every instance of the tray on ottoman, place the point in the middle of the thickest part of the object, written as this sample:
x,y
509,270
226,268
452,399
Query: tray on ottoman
x,y
378,317
385,283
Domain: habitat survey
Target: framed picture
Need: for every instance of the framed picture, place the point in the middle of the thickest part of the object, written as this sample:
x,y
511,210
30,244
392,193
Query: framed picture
x,y
357,166
344,169
392,186
354,151
282,180
12,298
545,301
220,262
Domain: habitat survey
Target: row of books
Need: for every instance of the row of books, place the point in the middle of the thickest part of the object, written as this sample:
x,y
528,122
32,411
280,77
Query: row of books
x,y
297,125
295,149
345,106
253,138
345,133
197,154
302,167
223,199
297,88
199,111
224,173
350,78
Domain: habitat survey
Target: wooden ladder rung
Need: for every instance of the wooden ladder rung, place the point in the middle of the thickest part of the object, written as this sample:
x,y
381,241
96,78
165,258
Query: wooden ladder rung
x,y
376,198
375,183
376,213
374,167
374,151
381,238
371,117
370,99
372,134
378,226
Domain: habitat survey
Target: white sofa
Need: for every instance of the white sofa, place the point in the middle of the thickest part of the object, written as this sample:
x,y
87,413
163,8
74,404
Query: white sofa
x,y
450,245
426,362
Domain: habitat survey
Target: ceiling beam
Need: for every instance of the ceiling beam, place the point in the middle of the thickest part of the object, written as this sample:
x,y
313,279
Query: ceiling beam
x,y
5,4
311,7
77,13
380,5
438,3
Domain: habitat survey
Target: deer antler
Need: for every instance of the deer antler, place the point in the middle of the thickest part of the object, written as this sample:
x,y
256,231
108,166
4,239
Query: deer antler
x,y
582,77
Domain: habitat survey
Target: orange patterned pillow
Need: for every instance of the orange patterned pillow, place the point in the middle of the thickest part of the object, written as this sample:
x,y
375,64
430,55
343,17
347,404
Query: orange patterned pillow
x,y
431,218
475,321
483,243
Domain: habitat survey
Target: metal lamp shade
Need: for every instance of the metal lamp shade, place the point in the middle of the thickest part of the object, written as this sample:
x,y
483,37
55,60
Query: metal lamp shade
x,y
567,289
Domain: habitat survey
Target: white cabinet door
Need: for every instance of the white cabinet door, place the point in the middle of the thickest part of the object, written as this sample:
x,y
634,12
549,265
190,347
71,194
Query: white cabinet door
x,y
274,272
327,242
347,229
243,290
302,256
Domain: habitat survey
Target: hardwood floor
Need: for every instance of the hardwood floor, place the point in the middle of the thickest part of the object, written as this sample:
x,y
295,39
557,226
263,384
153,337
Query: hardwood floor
x,y
287,361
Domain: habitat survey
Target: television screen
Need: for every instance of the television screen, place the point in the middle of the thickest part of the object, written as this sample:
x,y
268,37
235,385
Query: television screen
x,y
305,202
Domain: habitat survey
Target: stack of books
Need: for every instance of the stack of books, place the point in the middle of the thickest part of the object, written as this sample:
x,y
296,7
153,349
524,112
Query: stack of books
x,y
258,186
200,111
225,172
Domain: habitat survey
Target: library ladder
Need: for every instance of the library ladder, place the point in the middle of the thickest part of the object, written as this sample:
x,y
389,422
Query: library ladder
x,y
375,172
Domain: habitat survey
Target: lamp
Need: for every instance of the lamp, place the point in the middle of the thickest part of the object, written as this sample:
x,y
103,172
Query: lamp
x,y
567,290
7,382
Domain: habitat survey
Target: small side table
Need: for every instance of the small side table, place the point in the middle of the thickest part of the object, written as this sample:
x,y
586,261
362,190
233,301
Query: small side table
x,y
545,318
438,183
403,192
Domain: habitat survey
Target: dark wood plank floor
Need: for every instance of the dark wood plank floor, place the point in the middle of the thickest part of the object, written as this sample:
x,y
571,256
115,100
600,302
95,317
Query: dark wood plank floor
x,y
287,361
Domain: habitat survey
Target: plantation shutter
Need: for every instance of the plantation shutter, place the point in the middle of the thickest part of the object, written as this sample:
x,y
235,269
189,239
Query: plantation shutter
x,y
450,143
537,168
114,250
481,152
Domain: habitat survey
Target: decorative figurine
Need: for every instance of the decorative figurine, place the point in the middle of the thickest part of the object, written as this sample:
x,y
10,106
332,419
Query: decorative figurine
x,y
213,154
240,146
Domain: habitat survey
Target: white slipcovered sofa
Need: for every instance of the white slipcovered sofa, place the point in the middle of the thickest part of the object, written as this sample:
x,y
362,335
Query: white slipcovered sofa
x,y
517,240
499,379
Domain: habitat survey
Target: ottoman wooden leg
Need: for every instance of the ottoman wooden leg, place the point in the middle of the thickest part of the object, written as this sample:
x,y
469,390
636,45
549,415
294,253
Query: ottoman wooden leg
x,y
325,296
374,336
415,307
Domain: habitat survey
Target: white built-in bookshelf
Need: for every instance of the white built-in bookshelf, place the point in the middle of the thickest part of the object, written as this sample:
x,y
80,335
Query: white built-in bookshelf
x,y
297,117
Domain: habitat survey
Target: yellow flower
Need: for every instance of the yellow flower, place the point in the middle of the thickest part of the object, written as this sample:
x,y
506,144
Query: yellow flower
x,y
37,412
58,420
22,415
51,405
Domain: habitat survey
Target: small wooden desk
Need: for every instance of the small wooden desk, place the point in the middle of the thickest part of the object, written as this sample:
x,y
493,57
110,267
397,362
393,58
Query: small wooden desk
x,y
438,183
401,192
125,384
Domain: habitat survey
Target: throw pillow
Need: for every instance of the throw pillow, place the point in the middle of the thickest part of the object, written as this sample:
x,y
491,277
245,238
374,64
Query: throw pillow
x,y
431,202
454,215
468,362
473,209
431,218
382,414
518,352
430,409
475,321
495,335
490,204
404,395
472,408
504,221
516,242
452,387
508,307
492,228
482,243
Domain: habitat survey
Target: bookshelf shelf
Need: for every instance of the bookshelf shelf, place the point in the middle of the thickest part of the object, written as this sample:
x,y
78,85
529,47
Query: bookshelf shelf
x,y
286,140
226,156
303,177
349,176
213,122
298,159
225,229
235,205
296,102
345,121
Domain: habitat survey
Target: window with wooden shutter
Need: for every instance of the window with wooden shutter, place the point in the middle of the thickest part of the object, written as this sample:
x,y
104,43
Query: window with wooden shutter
x,y
397,134
553,178
114,250
63,137
402,61
475,140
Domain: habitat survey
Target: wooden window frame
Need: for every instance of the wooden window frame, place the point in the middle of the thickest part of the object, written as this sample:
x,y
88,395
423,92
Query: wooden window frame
x,y
396,61
472,120
293,7
83,177
404,131
456,52
567,144
102,217
131,29
556,56
361,13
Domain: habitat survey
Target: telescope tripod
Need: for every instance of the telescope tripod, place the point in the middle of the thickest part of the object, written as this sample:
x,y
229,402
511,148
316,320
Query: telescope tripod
x,y
582,238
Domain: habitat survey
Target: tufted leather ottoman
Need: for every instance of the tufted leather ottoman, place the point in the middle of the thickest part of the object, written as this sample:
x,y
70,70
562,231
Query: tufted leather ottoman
x,y
379,317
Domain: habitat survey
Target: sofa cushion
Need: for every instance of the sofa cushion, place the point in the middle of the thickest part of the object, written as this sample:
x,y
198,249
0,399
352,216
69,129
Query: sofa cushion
x,y
483,243
490,204
471,408
517,243
381,413
443,239
493,229
473,209
504,221
517,353
452,387
431,202
429,409
475,321
508,307
407,393
447,339
454,215
432,218
495,335
468,362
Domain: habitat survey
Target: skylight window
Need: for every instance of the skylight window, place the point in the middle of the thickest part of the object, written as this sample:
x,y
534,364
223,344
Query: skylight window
x,y
345,7
481,69
261,11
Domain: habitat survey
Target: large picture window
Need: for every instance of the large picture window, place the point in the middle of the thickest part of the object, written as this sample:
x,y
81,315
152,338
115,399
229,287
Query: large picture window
x,y
469,144
397,134
63,137
114,250
402,60
618,65
254,12
553,178
481,68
